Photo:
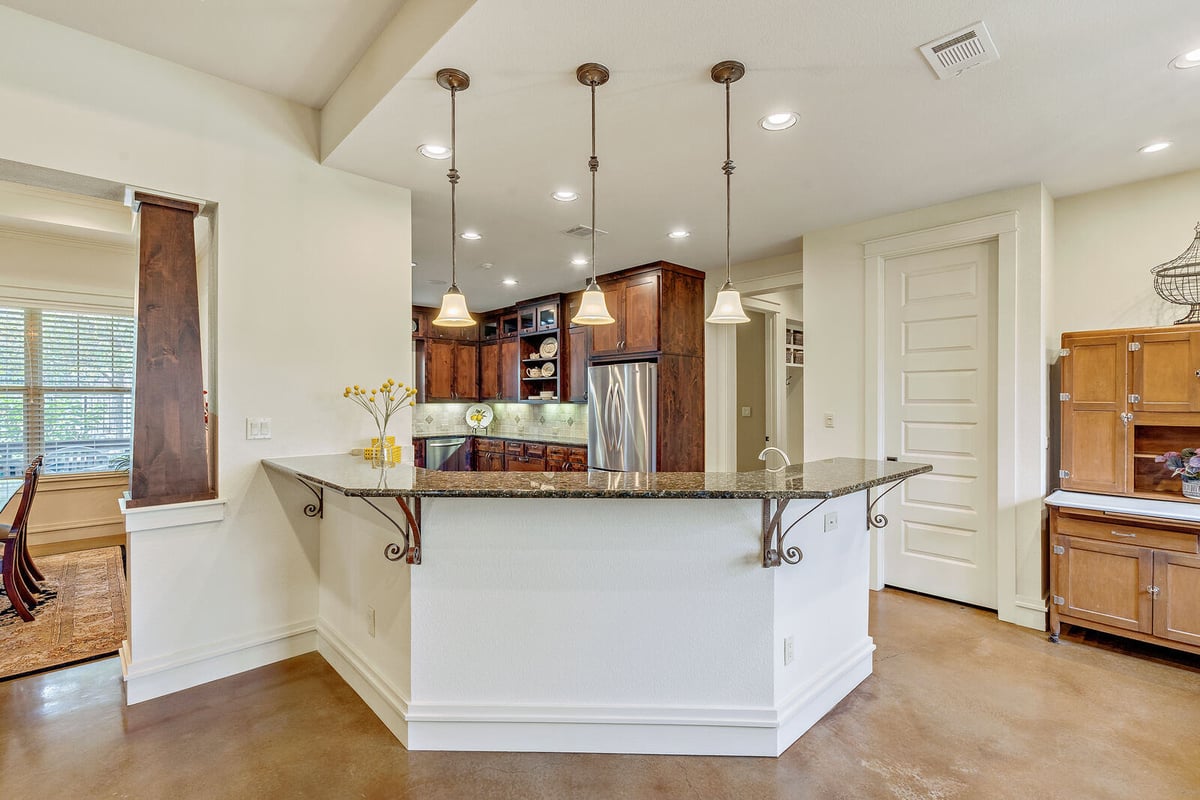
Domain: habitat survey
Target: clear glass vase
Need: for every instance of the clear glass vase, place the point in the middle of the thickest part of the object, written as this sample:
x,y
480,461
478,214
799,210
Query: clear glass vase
x,y
384,450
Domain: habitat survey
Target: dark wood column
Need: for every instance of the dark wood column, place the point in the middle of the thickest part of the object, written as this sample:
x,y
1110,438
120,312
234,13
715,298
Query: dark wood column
x,y
170,454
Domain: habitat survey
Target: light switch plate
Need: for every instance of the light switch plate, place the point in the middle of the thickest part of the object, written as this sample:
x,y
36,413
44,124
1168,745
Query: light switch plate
x,y
258,427
745,411
829,420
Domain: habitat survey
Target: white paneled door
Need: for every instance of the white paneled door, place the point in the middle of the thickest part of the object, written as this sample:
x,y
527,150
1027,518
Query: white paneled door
x,y
938,384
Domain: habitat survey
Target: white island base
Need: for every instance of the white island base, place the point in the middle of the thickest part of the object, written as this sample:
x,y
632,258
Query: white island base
x,y
596,625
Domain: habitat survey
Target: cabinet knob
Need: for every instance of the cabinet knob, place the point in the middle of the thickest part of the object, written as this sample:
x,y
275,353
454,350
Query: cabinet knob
x,y
1153,590
1198,373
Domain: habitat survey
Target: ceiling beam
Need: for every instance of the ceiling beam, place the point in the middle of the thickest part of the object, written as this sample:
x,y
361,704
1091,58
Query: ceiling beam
x,y
417,26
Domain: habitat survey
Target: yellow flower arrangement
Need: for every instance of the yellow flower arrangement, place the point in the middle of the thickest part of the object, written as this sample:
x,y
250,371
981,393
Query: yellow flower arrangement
x,y
381,404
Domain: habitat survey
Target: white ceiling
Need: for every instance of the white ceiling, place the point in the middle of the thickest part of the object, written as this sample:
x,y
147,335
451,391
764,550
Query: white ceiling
x,y
1080,85
298,49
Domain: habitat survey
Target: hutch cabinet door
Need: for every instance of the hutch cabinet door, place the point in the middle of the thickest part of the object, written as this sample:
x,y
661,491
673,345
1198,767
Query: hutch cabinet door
x,y
439,369
1177,602
1093,429
1166,371
1105,583
641,314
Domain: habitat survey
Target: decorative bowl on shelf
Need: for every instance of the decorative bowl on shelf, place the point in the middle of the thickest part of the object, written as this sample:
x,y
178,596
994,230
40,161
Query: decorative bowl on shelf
x,y
546,394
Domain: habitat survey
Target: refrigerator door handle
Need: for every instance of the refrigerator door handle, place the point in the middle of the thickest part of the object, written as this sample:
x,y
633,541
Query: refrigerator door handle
x,y
618,405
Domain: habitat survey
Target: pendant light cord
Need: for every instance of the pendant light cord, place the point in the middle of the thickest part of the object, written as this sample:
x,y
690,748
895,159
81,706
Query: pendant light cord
x,y
453,176
727,168
593,165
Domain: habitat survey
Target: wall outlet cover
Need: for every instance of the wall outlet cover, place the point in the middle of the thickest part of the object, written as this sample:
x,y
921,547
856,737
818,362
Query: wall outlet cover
x,y
831,522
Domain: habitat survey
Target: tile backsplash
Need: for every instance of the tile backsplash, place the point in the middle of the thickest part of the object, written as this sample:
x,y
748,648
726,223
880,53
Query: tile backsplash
x,y
566,421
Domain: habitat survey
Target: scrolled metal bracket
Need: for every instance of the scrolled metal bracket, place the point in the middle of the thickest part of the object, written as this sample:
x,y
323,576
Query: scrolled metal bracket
x,y
316,509
879,520
411,531
773,533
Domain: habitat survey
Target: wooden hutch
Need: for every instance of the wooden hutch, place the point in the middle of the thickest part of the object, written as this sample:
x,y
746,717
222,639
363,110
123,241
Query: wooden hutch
x,y
1119,561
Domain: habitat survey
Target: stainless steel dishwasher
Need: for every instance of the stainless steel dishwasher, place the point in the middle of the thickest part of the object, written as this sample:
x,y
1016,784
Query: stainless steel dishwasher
x,y
447,454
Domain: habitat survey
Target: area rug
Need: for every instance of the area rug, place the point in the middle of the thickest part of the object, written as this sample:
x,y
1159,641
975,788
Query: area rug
x,y
83,618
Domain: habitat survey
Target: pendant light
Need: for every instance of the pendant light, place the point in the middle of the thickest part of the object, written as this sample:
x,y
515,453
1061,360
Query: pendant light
x,y
592,308
728,308
454,313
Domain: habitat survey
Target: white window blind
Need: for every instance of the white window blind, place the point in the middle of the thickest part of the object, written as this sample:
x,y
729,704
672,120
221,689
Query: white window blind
x,y
66,390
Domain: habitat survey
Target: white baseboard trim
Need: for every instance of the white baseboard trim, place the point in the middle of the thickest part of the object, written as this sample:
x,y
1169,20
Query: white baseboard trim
x,y
386,700
664,730
1026,613
155,677
809,703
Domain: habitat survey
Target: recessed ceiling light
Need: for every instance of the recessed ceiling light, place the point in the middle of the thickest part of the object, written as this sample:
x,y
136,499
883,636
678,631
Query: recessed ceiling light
x,y
779,122
470,235
434,151
1155,147
1187,60
564,196
579,261
437,282
509,281
679,234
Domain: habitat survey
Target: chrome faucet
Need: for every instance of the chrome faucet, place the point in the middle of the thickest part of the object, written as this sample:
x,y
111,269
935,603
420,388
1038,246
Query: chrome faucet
x,y
787,462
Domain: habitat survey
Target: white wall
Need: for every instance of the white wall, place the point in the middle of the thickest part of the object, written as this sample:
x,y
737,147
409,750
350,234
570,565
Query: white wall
x,y
835,368
91,273
307,259
720,356
1105,244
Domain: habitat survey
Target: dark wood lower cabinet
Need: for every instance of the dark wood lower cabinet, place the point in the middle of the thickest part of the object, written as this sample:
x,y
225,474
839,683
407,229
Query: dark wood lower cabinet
x,y
511,455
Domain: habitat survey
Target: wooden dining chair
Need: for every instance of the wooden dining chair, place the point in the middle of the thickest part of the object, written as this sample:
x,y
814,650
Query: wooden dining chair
x,y
20,575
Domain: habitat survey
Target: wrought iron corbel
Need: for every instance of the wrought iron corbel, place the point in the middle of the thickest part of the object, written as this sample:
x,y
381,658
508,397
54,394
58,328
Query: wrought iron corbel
x,y
316,509
879,520
773,533
410,532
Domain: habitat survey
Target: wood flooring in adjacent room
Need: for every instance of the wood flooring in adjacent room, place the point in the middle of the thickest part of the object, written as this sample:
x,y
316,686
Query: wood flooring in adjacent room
x,y
960,706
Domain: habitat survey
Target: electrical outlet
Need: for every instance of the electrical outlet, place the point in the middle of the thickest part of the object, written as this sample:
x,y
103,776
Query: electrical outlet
x,y
831,521
370,622
829,420
789,650
745,411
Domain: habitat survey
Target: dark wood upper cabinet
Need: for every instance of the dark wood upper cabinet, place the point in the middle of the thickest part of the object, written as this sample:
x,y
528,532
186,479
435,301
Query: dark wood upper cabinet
x,y
451,370
439,370
423,327
510,366
658,308
547,316
579,350
489,370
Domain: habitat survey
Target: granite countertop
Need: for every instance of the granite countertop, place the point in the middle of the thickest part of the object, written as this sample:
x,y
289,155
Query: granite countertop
x,y
833,477
535,439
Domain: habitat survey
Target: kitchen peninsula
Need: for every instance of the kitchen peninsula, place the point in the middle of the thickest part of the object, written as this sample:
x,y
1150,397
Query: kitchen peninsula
x,y
685,613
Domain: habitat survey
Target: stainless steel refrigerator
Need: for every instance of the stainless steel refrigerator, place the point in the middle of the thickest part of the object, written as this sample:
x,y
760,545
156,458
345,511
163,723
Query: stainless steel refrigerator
x,y
622,400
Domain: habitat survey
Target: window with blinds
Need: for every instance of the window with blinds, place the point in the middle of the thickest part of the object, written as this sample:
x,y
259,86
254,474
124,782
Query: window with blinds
x,y
66,390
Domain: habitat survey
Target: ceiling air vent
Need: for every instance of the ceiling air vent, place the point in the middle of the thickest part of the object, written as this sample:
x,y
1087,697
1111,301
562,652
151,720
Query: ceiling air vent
x,y
583,232
955,53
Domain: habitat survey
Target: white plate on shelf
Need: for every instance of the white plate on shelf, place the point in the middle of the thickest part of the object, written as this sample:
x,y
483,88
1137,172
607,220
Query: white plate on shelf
x,y
479,415
549,347
548,369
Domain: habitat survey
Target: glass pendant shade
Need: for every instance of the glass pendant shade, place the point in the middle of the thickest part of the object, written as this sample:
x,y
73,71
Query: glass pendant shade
x,y
592,308
454,312
728,308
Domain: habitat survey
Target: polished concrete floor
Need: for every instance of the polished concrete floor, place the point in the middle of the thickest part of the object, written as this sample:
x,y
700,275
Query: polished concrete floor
x,y
960,706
